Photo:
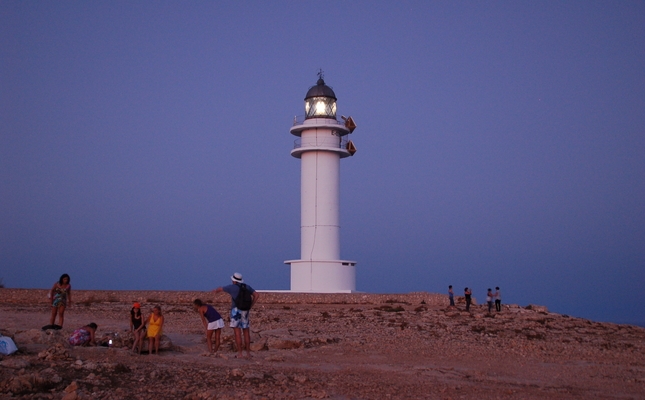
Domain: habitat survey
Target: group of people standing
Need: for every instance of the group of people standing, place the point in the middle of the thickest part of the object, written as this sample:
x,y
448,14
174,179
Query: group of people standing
x,y
211,319
490,298
242,295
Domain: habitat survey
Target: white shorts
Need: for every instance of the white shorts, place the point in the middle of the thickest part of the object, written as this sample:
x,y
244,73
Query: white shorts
x,y
219,324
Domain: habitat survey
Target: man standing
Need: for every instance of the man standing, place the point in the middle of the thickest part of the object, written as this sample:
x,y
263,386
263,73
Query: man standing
x,y
451,296
498,299
212,323
243,298
467,294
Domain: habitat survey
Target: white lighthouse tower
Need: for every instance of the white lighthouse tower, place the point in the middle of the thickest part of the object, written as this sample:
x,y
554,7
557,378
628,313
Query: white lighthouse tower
x,y
323,141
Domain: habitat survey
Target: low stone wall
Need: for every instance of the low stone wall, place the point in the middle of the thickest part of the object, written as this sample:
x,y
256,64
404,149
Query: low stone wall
x,y
39,296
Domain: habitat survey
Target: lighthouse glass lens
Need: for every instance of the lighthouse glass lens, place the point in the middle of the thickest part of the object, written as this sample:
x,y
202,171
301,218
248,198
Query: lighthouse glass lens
x,y
320,107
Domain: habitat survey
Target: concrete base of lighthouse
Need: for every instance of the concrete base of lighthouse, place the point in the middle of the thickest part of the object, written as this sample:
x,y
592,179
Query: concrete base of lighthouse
x,y
323,276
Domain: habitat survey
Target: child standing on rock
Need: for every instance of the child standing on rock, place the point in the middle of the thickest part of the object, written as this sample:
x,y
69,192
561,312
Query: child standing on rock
x,y
212,321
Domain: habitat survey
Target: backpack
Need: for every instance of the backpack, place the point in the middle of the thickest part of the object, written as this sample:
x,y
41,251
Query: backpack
x,y
244,299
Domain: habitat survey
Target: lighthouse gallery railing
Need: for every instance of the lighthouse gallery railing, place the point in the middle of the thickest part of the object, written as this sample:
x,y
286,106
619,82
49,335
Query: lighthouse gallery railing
x,y
338,142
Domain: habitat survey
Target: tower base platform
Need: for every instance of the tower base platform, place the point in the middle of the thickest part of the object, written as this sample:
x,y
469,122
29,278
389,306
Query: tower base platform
x,y
323,276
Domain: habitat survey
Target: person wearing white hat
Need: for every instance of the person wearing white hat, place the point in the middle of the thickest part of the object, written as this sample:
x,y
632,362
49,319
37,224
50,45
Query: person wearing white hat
x,y
243,298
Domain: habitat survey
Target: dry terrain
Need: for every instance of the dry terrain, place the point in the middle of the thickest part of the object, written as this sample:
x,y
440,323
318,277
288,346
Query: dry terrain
x,y
349,346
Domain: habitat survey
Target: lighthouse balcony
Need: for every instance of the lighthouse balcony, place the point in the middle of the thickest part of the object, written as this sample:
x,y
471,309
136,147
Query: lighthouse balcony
x,y
300,124
334,144
300,120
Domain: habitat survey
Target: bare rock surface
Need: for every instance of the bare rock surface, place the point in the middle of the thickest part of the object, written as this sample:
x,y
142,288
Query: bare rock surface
x,y
309,346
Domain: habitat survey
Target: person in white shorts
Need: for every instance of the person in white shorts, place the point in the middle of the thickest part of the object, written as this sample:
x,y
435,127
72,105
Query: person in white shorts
x,y
212,321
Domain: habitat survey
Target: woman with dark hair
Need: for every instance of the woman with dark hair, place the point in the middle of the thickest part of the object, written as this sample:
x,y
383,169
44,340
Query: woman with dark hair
x,y
137,327
84,336
212,321
467,294
60,296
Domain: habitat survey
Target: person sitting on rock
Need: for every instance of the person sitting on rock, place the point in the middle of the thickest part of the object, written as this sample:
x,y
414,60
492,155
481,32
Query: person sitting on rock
x,y
137,327
155,325
212,321
84,336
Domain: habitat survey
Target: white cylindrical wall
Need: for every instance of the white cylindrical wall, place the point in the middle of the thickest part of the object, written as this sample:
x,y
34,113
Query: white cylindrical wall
x,y
320,186
323,276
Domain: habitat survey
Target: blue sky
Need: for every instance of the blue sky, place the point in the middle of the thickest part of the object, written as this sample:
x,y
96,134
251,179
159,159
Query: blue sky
x,y
146,145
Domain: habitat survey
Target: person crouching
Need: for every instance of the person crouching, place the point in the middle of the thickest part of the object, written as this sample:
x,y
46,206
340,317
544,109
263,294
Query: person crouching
x,y
84,336
213,323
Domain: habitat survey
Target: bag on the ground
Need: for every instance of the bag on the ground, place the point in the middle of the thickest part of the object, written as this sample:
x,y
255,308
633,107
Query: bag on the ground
x,y
244,299
7,346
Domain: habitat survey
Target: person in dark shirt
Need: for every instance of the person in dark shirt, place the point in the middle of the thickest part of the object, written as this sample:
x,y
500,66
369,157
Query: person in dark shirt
x,y
467,294
498,299
212,321
137,327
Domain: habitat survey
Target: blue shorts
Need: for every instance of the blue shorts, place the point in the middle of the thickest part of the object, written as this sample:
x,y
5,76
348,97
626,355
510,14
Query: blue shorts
x,y
239,318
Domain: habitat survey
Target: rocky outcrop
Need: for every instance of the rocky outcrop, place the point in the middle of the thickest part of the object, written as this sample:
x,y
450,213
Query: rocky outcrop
x,y
354,346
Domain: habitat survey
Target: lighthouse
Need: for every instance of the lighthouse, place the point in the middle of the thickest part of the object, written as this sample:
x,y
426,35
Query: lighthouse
x,y
322,141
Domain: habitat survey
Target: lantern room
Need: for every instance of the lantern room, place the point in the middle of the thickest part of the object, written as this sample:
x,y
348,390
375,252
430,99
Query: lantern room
x,y
320,101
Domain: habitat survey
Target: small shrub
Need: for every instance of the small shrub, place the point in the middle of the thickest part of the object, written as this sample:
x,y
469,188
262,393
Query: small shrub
x,y
387,308
392,301
87,302
121,369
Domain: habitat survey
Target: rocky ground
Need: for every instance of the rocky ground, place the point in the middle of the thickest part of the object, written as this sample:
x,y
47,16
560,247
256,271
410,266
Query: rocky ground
x,y
350,346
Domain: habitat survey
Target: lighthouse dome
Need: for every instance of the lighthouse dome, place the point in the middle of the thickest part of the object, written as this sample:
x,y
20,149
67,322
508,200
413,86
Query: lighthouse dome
x,y
320,90
320,101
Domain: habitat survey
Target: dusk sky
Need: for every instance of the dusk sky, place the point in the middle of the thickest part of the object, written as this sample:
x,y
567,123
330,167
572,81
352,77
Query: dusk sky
x,y
145,145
